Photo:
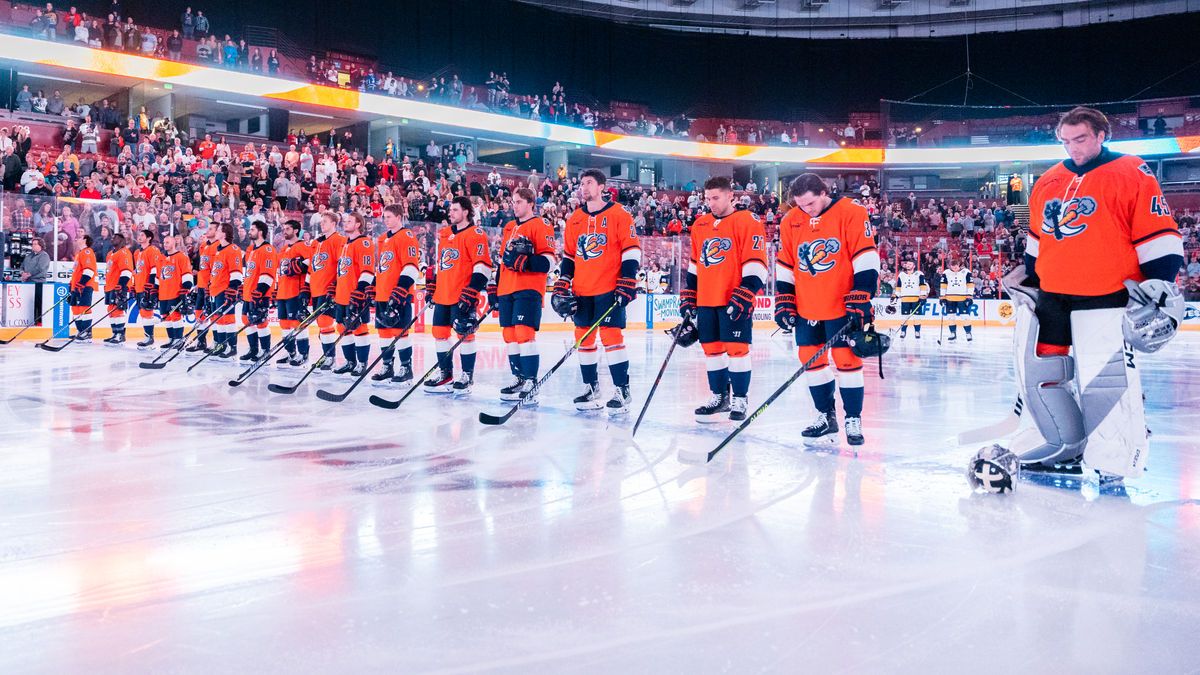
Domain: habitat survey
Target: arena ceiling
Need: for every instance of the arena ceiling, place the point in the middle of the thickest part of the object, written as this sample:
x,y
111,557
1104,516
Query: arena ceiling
x,y
832,19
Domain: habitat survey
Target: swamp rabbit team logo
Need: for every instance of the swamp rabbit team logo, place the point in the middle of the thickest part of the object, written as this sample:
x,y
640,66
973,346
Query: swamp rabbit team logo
x,y
591,245
449,256
1066,220
817,256
712,251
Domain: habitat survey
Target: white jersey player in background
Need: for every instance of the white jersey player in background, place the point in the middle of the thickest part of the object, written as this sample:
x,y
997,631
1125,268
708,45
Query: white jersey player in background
x,y
912,290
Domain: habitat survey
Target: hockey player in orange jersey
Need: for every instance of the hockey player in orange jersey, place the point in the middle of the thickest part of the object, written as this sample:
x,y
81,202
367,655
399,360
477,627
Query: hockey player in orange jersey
x,y
117,279
528,255
1098,283
322,272
260,266
83,285
145,283
291,301
601,258
826,273
175,283
205,303
353,294
727,269
397,271
464,266
224,288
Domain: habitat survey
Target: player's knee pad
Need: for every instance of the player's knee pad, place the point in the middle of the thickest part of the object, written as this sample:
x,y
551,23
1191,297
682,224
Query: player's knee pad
x,y
441,332
611,337
116,313
225,320
845,359
362,330
737,349
388,333
325,323
588,339
289,324
509,334
174,316
806,354
467,339
523,334
146,313
1051,404
713,348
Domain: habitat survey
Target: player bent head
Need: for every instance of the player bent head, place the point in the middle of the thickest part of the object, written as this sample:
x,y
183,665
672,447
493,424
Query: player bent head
x,y
523,201
810,194
1083,132
718,196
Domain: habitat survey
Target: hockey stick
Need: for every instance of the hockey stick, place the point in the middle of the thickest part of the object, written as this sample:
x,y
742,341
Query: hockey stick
x,y
281,389
214,350
36,321
657,380
338,398
381,402
487,418
941,321
208,323
303,325
908,317
1004,427
707,457
43,343
75,337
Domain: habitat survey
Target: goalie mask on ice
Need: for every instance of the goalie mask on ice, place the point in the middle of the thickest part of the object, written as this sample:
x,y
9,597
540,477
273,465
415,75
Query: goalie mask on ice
x,y
1085,406
993,469
1153,314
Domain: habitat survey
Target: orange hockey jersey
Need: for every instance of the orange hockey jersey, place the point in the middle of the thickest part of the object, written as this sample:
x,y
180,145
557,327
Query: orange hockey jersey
x,y
173,271
399,255
821,256
287,286
1089,231
145,262
204,271
460,254
542,236
259,267
120,264
226,267
597,244
323,265
355,264
85,259
723,251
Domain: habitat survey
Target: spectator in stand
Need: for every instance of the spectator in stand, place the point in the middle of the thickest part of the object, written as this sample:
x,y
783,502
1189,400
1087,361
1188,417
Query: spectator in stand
x,y
256,60
36,266
1160,124
175,46
24,99
201,26
229,53
149,43
56,105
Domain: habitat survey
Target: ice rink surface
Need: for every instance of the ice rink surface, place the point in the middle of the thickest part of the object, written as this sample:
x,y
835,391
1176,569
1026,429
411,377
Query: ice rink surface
x,y
152,521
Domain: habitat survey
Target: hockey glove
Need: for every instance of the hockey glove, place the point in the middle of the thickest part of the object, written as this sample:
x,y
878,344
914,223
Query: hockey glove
x,y
858,308
468,301
493,297
626,290
785,311
400,297
430,290
518,253
562,300
687,304
741,304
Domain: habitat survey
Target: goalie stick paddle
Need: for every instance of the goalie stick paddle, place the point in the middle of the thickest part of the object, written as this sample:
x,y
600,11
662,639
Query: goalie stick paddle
x,y
35,321
278,347
1004,427
59,348
778,392
44,343
657,380
283,389
487,418
338,398
208,323
388,404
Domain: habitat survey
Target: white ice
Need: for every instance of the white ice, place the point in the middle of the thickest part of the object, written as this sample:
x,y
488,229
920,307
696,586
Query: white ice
x,y
152,521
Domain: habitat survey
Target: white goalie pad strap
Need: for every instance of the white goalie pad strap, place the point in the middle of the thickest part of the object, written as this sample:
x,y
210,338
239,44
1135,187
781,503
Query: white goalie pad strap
x,y
1050,402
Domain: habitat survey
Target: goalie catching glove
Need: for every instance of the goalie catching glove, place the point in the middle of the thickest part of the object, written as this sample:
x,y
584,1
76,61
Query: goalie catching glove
x,y
1152,317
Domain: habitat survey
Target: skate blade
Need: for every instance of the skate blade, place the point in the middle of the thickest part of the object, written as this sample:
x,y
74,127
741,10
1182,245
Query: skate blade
x,y
821,441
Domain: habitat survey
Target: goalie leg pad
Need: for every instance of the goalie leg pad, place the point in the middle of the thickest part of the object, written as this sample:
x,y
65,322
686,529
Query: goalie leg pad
x,y
1110,394
1051,403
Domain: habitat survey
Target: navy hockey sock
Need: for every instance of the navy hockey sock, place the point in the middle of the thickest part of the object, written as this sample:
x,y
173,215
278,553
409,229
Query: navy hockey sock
x,y
822,395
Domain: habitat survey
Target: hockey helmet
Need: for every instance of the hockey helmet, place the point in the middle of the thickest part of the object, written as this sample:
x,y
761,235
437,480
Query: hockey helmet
x,y
686,334
866,343
993,469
